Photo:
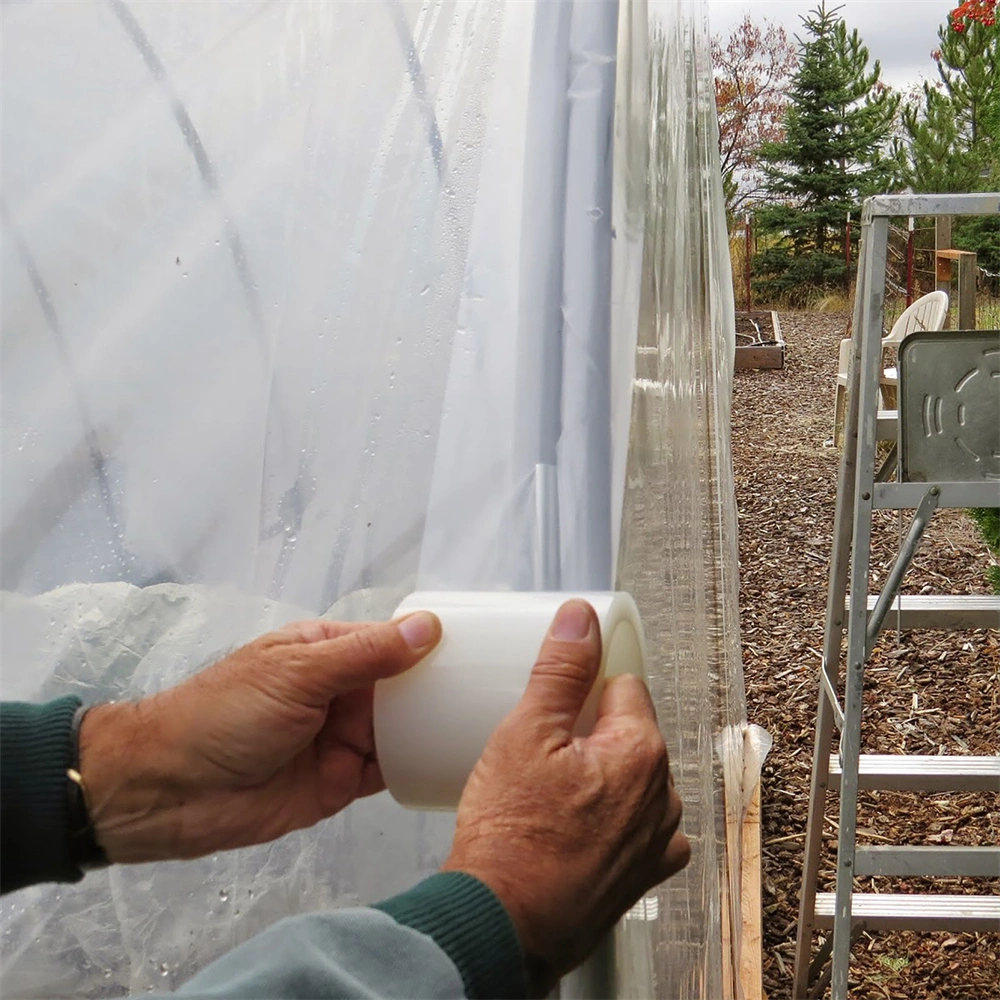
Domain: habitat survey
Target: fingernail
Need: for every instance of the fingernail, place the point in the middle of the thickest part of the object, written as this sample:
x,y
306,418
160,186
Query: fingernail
x,y
572,621
418,630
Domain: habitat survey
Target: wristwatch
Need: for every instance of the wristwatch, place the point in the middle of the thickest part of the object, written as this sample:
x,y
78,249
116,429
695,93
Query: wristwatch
x,y
84,850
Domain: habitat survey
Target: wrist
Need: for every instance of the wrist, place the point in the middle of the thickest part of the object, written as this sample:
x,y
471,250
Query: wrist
x,y
470,924
539,968
85,852
129,799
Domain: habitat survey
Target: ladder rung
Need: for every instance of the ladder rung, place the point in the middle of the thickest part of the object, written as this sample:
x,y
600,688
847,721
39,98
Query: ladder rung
x,y
940,611
890,496
886,425
932,773
915,912
972,862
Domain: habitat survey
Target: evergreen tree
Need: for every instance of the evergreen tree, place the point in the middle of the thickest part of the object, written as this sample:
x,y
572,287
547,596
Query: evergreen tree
x,y
833,154
953,134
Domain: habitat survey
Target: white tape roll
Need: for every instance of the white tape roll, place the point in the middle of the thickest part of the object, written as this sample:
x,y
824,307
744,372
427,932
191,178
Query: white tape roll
x,y
432,722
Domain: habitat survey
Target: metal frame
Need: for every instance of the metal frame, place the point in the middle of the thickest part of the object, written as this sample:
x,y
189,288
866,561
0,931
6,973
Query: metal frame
x,y
858,494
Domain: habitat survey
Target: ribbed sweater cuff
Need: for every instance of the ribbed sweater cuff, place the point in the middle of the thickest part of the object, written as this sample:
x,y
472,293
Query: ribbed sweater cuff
x,y
470,925
35,753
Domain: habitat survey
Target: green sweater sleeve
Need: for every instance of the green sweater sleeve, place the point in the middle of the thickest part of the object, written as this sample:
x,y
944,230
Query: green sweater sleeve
x,y
470,925
35,753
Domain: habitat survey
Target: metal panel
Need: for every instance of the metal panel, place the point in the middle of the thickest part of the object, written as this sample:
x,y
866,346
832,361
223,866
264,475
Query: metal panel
x,y
949,405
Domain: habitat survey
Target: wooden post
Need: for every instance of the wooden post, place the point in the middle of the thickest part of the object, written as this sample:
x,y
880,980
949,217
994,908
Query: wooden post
x,y
751,944
966,261
967,291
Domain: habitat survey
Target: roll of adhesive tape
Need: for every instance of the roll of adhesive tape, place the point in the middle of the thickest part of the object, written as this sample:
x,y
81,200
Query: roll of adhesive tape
x,y
432,722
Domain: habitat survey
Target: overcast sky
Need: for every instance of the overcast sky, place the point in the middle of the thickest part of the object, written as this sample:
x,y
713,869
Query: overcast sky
x,y
901,34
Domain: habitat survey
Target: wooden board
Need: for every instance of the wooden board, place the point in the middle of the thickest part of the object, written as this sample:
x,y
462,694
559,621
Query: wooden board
x,y
751,945
757,356
761,355
728,977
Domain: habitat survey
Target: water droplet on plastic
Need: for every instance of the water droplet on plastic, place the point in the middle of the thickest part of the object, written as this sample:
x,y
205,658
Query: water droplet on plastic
x,y
224,895
595,212
425,289
164,969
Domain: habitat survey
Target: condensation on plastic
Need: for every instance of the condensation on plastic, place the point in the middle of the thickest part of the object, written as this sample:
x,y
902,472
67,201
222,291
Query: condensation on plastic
x,y
305,305
678,554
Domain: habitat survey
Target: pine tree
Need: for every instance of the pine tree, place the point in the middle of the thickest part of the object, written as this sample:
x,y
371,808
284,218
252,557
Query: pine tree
x,y
833,154
953,135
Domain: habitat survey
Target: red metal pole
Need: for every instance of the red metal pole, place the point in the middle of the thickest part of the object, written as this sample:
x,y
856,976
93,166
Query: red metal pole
x,y
746,265
909,264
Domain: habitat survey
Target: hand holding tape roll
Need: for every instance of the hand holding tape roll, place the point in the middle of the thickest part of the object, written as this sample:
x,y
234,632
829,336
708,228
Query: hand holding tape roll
x,y
432,722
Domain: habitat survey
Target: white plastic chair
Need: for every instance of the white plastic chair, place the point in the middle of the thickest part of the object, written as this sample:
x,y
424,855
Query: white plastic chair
x,y
927,313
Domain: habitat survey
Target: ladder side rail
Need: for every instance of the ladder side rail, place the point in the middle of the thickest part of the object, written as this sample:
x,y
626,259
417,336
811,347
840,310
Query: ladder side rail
x,y
843,527
873,300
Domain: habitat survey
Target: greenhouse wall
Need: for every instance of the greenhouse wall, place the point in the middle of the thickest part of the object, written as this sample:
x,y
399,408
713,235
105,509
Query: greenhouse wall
x,y
306,305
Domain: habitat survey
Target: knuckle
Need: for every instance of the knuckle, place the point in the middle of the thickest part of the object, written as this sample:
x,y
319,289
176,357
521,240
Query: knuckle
x,y
369,643
566,666
652,747
260,646
676,807
681,851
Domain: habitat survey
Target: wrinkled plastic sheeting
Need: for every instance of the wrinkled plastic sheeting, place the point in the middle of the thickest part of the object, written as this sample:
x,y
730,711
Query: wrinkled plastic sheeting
x,y
304,304
678,552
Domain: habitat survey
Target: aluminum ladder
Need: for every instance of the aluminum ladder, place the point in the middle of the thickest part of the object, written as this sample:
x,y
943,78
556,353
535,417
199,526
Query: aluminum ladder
x,y
860,490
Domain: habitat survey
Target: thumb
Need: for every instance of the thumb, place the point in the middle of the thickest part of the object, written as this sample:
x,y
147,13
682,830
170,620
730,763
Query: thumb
x,y
565,670
383,649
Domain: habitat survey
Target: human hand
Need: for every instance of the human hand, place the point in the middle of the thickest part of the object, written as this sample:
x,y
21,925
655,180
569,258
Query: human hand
x,y
273,738
570,831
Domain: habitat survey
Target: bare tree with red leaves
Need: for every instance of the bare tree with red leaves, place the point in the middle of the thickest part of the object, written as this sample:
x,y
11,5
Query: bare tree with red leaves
x,y
753,69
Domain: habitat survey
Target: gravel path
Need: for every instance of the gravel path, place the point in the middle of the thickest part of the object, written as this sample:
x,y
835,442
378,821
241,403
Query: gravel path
x,y
926,691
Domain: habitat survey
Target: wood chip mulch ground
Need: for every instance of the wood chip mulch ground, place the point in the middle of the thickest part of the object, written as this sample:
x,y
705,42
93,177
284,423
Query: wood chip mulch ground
x,y
926,691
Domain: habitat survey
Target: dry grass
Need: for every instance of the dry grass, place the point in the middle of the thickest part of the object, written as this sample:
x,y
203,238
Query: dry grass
x,y
831,302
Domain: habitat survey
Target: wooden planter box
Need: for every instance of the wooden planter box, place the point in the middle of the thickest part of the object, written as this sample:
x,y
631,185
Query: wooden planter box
x,y
759,343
